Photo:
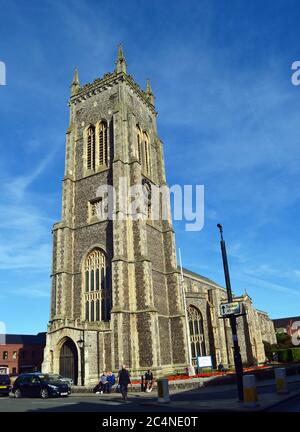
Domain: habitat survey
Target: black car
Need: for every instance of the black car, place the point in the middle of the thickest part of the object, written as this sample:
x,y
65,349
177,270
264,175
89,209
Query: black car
x,y
5,384
39,385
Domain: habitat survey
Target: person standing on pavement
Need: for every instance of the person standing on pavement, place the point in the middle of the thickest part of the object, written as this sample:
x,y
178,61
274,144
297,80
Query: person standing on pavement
x,y
124,380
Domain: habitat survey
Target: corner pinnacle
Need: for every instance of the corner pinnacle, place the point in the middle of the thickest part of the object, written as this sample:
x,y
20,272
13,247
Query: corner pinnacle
x,y
75,86
121,62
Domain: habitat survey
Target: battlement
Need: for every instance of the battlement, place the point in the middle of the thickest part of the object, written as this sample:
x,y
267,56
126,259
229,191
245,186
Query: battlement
x,y
109,80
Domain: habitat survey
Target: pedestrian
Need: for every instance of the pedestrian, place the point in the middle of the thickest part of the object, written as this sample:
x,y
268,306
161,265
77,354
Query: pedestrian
x,y
124,380
148,381
102,383
111,380
221,368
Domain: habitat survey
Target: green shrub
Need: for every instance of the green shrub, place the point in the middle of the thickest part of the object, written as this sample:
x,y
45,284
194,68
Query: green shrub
x,y
284,340
288,355
295,353
206,370
284,355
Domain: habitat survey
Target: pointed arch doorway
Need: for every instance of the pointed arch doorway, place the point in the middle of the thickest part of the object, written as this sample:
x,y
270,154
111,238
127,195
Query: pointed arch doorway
x,y
68,360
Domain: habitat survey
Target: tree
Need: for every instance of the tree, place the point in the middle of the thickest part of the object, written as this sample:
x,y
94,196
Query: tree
x,y
269,349
284,341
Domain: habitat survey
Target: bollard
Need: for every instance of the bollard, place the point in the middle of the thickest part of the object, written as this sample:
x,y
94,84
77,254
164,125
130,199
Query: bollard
x,y
250,392
191,370
280,378
163,390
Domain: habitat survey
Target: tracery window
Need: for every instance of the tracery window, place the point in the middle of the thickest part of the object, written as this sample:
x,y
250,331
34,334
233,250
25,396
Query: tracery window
x,y
146,153
103,145
91,149
143,149
196,333
97,299
139,144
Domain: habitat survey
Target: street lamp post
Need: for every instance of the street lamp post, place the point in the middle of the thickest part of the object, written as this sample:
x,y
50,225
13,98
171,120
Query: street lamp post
x,y
80,343
232,318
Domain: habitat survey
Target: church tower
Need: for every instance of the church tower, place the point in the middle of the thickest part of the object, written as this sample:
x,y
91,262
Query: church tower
x,y
116,294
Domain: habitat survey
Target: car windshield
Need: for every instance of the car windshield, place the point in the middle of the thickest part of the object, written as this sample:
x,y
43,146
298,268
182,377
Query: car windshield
x,y
50,379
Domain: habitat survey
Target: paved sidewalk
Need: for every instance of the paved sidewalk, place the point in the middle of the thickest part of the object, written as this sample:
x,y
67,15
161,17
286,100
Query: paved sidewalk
x,y
192,383
225,398
213,398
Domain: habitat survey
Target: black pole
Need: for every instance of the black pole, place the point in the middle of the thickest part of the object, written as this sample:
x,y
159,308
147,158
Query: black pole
x,y
232,318
82,359
82,365
98,354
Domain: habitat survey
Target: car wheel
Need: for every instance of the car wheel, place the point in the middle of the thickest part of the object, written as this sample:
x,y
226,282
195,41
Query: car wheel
x,y
18,394
44,394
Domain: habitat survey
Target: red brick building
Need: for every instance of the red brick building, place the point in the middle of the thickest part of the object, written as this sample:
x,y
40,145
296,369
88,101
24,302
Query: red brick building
x,y
285,325
21,353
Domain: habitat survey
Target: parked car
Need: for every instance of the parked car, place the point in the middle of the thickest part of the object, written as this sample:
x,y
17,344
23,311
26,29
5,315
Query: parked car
x,y
5,384
39,385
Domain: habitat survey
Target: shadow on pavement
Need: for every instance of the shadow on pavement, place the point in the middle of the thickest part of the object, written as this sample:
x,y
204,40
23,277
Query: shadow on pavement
x,y
134,404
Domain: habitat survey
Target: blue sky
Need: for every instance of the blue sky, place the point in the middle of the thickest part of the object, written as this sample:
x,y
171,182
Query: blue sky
x,y
228,117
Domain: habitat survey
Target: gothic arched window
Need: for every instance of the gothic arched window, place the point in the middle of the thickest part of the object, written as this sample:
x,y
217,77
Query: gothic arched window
x,y
91,149
196,333
139,143
97,299
103,146
146,153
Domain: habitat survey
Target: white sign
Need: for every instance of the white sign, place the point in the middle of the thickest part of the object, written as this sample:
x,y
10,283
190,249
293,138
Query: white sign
x,y
233,308
204,361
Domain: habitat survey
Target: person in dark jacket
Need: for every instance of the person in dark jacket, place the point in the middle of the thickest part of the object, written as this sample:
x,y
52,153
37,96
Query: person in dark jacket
x,y
221,368
100,387
148,380
124,380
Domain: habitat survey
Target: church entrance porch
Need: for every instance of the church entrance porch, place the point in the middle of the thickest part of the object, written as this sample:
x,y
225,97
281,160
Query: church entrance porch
x,y
68,360
65,354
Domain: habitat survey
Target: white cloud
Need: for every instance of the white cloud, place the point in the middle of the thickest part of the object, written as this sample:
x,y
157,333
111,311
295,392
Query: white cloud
x,y
34,291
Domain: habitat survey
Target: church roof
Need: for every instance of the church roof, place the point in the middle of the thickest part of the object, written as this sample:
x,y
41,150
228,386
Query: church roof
x,y
284,322
262,312
198,276
39,339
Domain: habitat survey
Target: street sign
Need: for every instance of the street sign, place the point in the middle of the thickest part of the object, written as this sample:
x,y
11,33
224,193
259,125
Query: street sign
x,y
233,308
